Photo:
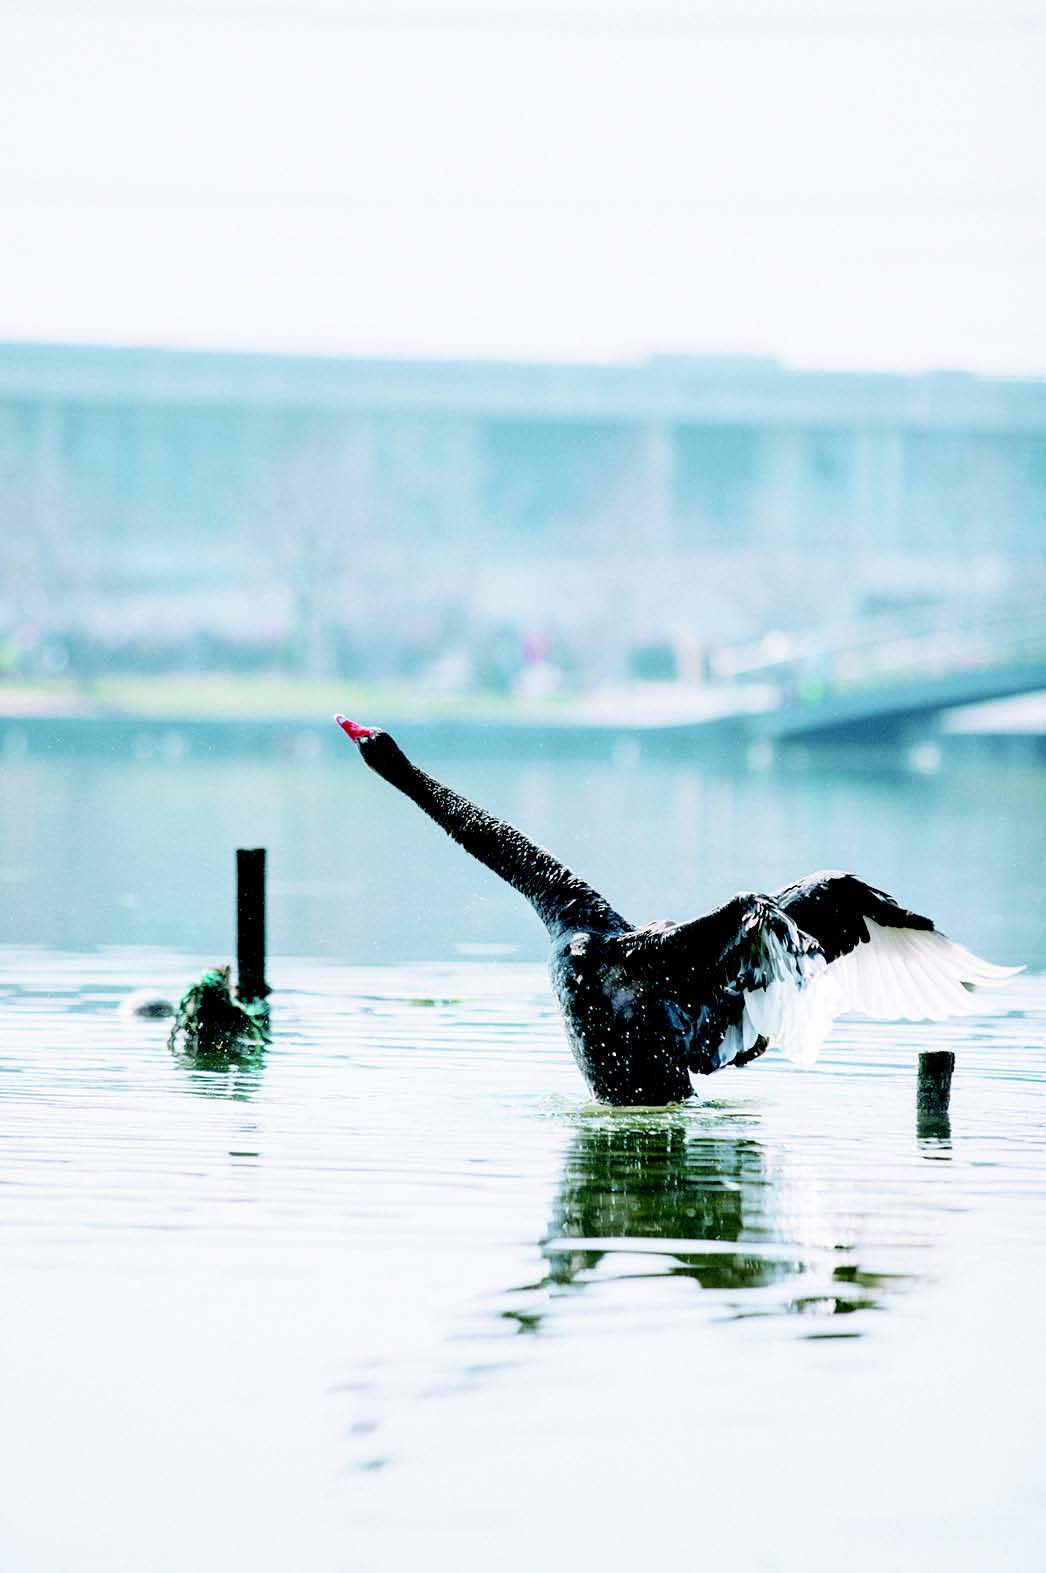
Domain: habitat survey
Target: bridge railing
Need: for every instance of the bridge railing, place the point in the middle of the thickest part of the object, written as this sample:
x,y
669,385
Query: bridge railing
x,y
892,651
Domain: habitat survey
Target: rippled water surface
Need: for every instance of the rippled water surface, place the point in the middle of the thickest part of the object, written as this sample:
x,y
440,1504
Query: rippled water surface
x,y
394,1294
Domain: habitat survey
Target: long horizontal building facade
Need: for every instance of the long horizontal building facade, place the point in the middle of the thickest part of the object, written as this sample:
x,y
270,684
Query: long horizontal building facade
x,y
192,491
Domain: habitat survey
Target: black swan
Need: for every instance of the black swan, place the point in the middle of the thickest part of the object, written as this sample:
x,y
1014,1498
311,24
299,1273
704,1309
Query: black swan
x,y
646,1007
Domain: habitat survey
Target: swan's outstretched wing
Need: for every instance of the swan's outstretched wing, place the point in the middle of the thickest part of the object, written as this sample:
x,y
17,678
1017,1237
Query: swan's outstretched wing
x,y
742,973
884,961
782,968
834,908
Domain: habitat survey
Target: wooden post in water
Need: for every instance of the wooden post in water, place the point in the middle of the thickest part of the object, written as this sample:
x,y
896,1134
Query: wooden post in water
x,y
934,1086
250,923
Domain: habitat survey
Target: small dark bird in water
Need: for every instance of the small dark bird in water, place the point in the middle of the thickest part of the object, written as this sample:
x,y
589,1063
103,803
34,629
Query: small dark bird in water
x,y
647,1008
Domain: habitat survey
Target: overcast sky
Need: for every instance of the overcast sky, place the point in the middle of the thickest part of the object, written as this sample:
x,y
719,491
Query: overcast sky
x,y
853,184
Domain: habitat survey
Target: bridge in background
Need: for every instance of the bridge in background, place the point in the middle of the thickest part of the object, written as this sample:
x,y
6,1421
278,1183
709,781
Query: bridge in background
x,y
879,684
891,712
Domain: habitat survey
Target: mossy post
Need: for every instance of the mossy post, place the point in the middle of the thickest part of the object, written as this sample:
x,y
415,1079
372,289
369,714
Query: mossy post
x,y
212,1030
934,1086
250,924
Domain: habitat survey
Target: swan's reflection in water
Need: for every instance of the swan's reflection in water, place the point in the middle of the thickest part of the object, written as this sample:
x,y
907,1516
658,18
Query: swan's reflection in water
x,y
657,1198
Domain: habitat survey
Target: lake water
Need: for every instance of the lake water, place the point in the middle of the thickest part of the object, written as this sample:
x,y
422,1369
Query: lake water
x,y
397,1293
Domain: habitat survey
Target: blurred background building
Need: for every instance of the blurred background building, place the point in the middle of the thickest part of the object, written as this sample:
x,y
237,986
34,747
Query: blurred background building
x,y
486,525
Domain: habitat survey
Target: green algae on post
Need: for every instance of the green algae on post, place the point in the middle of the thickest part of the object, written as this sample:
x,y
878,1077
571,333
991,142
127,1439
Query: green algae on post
x,y
210,1022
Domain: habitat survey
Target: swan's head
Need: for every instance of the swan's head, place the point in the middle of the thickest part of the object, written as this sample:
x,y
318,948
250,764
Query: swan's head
x,y
376,747
359,734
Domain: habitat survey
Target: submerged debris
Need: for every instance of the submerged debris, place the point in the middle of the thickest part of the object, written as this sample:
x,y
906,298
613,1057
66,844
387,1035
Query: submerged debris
x,y
147,1003
211,1023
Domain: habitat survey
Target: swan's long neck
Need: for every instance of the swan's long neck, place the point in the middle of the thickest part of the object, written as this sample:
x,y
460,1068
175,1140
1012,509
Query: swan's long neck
x,y
560,898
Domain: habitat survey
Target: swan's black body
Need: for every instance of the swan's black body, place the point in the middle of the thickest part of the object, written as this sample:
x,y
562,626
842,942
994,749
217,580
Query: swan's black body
x,y
645,1008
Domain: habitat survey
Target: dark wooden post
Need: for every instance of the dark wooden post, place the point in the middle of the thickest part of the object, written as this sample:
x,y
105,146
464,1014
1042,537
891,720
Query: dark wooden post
x,y
934,1087
250,923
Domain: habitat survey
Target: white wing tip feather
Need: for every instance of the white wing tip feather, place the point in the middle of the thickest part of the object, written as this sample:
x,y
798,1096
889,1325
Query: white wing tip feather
x,y
906,974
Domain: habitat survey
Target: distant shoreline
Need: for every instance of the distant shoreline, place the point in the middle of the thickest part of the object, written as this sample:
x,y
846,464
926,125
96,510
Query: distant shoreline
x,y
206,714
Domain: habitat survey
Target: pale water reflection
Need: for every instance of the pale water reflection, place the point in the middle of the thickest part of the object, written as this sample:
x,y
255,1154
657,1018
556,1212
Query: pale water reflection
x,y
126,851
396,1289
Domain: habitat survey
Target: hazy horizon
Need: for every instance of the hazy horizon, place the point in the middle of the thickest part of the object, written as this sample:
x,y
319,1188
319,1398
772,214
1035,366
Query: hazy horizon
x,y
831,187
710,357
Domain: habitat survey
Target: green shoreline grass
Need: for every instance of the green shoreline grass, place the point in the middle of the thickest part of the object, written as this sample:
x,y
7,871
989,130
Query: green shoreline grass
x,y
206,696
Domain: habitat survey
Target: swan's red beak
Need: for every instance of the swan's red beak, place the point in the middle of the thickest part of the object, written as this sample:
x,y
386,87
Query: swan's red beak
x,y
357,733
